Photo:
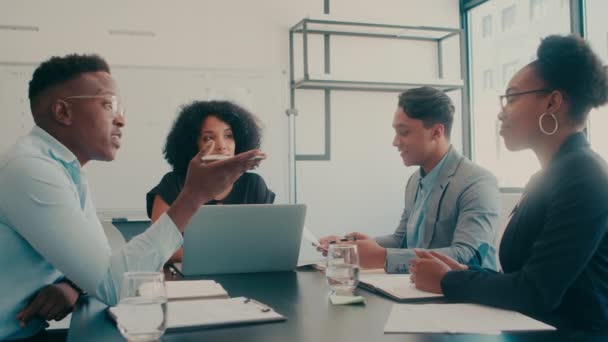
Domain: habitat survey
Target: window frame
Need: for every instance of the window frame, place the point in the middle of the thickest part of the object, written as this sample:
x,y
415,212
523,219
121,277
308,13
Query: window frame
x,y
487,30
577,26
510,13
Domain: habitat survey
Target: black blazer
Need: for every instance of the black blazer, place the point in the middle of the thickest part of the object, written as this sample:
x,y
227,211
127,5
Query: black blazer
x,y
554,251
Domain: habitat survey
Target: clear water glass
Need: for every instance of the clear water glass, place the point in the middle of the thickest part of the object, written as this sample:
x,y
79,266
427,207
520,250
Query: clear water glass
x,y
142,306
342,269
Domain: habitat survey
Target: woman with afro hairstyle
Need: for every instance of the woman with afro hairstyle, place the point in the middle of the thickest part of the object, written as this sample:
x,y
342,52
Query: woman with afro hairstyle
x,y
554,251
232,130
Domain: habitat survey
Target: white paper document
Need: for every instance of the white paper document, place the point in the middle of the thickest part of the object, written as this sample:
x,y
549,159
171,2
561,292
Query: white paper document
x,y
185,289
201,313
308,235
458,319
396,286
60,325
308,249
191,289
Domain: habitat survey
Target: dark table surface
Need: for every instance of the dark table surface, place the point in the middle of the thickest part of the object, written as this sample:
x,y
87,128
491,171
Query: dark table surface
x,y
302,297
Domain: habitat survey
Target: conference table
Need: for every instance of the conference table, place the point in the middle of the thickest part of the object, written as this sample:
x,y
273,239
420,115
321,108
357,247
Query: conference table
x,y
301,296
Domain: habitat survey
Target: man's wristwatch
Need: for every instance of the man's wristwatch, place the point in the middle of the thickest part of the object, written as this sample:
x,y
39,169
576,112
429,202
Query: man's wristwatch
x,y
74,286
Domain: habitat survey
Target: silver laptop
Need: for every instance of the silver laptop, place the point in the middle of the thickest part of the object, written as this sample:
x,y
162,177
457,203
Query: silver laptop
x,y
243,239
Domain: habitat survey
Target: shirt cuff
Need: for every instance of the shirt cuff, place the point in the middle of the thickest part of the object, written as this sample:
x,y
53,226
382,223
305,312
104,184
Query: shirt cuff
x,y
165,236
398,260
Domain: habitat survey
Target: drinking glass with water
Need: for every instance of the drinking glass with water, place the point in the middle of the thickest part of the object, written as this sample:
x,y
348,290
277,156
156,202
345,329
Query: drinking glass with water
x,y
143,306
342,269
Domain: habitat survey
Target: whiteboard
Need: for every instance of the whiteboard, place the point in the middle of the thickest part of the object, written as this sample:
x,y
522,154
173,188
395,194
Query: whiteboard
x,y
152,97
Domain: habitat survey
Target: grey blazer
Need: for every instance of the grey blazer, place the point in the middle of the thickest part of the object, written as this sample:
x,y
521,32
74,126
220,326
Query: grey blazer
x,y
461,217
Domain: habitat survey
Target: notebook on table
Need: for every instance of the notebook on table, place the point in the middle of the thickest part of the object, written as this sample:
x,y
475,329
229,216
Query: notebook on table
x,y
202,313
321,265
395,286
458,319
191,289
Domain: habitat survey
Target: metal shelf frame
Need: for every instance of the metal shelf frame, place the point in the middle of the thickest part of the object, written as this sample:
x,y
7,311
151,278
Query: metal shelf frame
x,y
328,28
356,29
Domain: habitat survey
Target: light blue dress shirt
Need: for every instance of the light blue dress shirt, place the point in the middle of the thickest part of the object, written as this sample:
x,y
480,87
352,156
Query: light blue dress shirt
x,y
49,229
421,202
464,203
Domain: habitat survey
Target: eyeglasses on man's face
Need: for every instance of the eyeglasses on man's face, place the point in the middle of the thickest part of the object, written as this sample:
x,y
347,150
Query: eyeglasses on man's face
x,y
111,103
508,98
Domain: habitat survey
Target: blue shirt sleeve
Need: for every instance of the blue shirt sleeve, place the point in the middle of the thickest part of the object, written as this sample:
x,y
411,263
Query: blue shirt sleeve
x,y
45,210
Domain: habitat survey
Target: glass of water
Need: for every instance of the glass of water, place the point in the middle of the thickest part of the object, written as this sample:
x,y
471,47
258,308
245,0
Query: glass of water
x,y
342,269
143,306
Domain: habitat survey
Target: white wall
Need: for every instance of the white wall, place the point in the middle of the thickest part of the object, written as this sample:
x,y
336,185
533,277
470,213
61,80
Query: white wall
x,y
205,33
361,188
597,28
230,45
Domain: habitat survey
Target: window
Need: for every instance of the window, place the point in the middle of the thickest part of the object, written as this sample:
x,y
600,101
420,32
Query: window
x,y
597,34
487,26
496,58
508,17
488,80
537,9
508,70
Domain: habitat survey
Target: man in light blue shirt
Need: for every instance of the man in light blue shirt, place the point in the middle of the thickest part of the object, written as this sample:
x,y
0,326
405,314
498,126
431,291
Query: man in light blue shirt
x,y
421,201
50,237
451,204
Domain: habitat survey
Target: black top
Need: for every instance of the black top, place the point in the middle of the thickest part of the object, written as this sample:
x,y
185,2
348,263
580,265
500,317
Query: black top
x,y
554,251
250,188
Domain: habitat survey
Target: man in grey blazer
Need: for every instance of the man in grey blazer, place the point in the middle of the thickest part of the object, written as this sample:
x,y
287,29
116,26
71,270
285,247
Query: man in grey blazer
x,y
451,204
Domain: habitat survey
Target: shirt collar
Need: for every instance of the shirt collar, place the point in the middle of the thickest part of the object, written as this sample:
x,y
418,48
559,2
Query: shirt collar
x,y
429,178
54,148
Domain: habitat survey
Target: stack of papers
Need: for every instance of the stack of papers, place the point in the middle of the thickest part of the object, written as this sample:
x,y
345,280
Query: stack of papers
x,y
197,303
64,324
321,265
201,313
189,289
458,319
308,235
395,286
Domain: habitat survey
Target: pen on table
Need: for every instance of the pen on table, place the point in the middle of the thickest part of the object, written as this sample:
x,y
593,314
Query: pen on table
x,y
318,245
348,238
173,270
263,307
307,234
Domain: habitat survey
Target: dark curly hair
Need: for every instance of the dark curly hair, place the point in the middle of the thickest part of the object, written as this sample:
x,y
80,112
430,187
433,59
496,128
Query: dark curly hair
x,y
181,145
568,64
57,70
430,105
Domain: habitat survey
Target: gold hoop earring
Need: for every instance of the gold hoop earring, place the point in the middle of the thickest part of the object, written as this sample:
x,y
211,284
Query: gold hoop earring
x,y
540,124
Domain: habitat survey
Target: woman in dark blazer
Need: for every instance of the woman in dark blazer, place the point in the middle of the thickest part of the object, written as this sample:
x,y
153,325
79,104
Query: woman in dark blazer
x,y
554,251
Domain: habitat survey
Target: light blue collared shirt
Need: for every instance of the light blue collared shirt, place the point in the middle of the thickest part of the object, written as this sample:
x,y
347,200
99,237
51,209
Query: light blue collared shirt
x,y
421,202
49,229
